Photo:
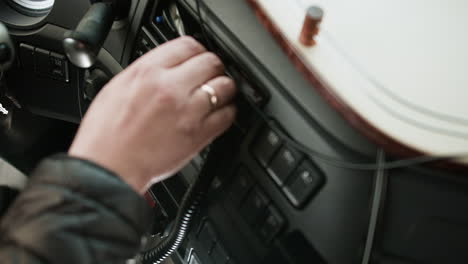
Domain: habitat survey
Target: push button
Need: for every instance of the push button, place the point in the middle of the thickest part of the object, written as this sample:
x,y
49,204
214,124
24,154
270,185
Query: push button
x,y
305,181
254,206
26,54
265,146
283,164
59,67
241,185
271,225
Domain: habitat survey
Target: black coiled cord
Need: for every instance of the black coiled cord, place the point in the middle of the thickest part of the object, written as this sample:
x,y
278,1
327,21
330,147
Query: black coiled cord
x,y
178,233
220,151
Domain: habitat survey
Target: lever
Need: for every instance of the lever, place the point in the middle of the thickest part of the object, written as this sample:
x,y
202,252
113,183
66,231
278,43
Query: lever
x,y
82,45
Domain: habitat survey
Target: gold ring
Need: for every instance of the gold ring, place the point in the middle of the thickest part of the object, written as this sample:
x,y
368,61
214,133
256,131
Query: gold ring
x,y
211,93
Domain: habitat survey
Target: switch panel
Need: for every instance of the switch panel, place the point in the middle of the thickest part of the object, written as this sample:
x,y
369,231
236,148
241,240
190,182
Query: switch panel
x,y
59,67
44,62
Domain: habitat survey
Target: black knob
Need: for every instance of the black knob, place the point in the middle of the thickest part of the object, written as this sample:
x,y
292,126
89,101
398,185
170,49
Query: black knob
x,y
82,45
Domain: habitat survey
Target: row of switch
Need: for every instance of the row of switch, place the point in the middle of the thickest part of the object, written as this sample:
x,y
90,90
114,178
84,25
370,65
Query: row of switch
x,y
210,241
143,45
44,62
298,177
255,207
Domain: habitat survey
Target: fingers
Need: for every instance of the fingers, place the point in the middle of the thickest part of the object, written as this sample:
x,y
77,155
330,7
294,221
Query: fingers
x,y
219,121
175,52
198,70
225,92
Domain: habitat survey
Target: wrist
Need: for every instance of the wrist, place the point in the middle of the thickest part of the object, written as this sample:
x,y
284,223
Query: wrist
x,y
124,174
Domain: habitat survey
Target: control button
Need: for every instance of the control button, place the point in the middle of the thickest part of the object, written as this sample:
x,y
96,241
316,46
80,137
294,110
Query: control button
x,y
306,180
26,53
265,146
42,60
254,206
271,225
207,236
158,19
283,164
219,255
241,184
59,66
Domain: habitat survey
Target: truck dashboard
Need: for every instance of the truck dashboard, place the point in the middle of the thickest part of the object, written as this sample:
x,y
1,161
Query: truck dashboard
x,y
300,184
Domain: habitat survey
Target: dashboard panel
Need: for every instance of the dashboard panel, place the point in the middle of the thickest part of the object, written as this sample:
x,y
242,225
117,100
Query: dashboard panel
x,y
272,202
272,197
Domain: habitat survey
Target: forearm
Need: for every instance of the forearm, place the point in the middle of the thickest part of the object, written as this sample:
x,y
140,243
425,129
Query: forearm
x,y
73,211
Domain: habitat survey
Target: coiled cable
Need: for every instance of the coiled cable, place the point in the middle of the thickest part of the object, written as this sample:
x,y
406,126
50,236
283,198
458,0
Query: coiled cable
x,y
221,150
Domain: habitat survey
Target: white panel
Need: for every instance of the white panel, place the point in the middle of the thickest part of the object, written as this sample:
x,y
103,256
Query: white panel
x,y
401,65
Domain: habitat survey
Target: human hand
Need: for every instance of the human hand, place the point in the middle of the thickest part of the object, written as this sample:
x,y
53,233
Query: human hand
x,y
152,118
